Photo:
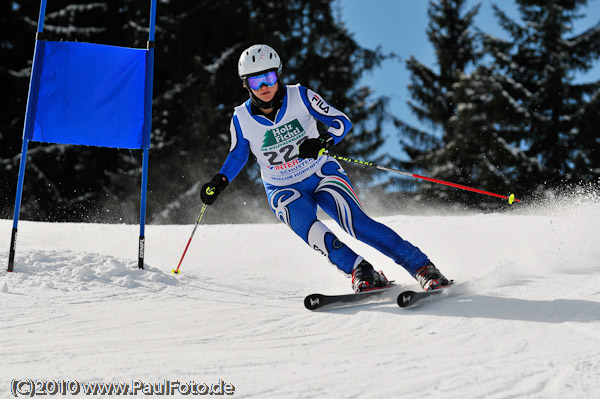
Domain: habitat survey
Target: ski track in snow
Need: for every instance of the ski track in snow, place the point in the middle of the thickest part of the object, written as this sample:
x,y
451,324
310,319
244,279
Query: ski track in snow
x,y
524,321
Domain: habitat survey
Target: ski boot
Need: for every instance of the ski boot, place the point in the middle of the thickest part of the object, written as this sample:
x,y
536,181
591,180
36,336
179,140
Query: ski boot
x,y
365,278
431,278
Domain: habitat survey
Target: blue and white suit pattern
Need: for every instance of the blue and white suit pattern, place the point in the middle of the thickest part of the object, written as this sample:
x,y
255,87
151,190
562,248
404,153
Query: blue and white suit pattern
x,y
296,186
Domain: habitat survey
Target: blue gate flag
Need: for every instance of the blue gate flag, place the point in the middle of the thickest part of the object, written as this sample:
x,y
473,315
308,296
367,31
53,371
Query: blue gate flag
x,y
90,94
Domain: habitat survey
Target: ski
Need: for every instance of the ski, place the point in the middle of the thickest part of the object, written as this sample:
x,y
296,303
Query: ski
x,y
317,301
409,298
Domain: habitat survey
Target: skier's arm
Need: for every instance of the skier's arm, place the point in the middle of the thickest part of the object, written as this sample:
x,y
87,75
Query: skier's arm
x,y
239,152
237,158
338,124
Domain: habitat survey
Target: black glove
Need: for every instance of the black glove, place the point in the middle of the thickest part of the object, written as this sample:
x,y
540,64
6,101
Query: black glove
x,y
211,190
312,148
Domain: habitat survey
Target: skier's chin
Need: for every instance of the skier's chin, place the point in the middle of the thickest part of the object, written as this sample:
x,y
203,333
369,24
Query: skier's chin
x,y
266,97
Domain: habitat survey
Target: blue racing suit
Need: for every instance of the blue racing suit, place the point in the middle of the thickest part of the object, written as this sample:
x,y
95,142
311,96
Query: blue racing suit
x,y
296,186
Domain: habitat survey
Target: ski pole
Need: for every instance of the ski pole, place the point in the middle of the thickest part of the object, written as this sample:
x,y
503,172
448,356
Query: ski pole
x,y
176,271
511,198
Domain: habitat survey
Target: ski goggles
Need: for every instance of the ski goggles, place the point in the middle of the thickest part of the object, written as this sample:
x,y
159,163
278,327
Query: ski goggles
x,y
256,82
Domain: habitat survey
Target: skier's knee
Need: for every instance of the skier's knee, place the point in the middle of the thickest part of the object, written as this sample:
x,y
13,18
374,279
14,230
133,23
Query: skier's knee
x,y
317,240
324,241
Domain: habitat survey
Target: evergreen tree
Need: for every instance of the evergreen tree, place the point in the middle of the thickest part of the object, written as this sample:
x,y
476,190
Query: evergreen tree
x,y
548,116
481,156
438,152
14,80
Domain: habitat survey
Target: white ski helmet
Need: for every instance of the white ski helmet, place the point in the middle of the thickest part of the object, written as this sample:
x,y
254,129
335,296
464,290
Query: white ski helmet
x,y
258,58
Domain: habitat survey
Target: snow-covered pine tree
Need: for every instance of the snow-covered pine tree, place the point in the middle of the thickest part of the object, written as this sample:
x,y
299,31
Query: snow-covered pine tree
x,y
437,152
547,114
481,156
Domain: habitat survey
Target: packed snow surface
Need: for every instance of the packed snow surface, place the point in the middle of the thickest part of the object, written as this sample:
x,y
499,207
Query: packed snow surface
x,y
523,322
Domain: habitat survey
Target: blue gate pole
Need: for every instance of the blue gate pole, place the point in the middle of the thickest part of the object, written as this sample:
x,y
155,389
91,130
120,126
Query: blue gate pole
x,y
147,132
27,129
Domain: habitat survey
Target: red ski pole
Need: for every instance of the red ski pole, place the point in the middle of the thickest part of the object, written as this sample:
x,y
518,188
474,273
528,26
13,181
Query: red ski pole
x,y
176,271
511,198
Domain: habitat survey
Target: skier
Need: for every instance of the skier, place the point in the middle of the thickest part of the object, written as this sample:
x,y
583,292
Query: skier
x,y
278,123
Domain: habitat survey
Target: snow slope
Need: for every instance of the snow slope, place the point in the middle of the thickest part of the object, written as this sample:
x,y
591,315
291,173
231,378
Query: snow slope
x,y
525,322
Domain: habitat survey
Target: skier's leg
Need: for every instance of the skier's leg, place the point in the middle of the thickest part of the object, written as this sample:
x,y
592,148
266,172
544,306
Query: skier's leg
x,y
298,210
337,198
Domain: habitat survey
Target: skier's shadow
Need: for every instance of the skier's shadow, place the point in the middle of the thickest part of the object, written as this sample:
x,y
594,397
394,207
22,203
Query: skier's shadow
x,y
492,307
542,311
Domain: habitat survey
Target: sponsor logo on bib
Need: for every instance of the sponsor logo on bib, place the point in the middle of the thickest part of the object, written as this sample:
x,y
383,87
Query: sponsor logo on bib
x,y
282,135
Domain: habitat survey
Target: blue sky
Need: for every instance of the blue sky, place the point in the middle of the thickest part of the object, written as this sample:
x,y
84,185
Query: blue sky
x,y
399,26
